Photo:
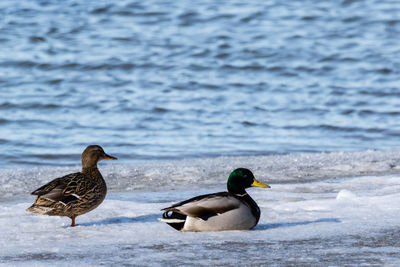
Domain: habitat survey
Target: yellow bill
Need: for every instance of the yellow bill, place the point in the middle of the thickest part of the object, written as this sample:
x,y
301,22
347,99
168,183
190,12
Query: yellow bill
x,y
258,184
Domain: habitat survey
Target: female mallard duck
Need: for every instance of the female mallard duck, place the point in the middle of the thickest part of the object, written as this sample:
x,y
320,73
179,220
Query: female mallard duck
x,y
232,210
76,193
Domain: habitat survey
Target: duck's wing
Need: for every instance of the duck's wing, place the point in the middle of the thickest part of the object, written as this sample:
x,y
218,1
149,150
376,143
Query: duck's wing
x,y
206,206
65,189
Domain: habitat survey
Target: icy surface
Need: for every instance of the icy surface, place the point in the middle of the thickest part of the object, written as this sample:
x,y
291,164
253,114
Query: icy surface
x,y
209,172
327,222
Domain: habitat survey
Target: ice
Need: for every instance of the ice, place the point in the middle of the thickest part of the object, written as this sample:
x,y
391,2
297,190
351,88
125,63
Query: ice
x,y
209,172
336,221
346,195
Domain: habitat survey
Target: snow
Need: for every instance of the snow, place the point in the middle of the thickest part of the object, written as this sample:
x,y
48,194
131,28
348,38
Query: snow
x,y
337,221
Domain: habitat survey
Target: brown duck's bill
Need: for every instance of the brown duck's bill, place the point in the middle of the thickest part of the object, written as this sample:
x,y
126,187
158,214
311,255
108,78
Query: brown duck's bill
x,y
258,184
106,156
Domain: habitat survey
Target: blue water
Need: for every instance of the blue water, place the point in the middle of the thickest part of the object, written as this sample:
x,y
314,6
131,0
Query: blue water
x,y
151,80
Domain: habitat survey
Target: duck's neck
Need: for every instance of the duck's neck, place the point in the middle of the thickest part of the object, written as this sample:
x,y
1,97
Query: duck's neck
x,y
239,191
92,172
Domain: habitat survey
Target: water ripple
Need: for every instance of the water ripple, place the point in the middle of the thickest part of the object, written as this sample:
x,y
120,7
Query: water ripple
x,y
199,80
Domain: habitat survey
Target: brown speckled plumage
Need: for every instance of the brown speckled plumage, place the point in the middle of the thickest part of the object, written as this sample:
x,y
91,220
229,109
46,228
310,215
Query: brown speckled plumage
x,y
76,193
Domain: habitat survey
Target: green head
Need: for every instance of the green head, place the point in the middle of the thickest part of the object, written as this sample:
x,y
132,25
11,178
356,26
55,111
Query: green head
x,y
240,179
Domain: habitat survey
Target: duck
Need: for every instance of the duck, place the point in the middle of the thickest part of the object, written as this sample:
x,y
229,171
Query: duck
x,y
76,193
232,210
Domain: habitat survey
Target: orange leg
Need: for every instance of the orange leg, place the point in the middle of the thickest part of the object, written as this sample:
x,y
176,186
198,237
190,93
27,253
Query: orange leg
x,y
73,221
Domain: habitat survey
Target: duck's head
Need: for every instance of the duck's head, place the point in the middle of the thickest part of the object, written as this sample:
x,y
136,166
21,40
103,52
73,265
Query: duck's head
x,y
240,179
93,154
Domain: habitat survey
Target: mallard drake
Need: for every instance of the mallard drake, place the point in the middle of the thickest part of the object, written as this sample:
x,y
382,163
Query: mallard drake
x,y
76,193
232,210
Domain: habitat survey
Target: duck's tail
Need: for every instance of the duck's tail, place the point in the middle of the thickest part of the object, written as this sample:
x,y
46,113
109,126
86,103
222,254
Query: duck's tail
x,y
39,209
173,219
41,206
